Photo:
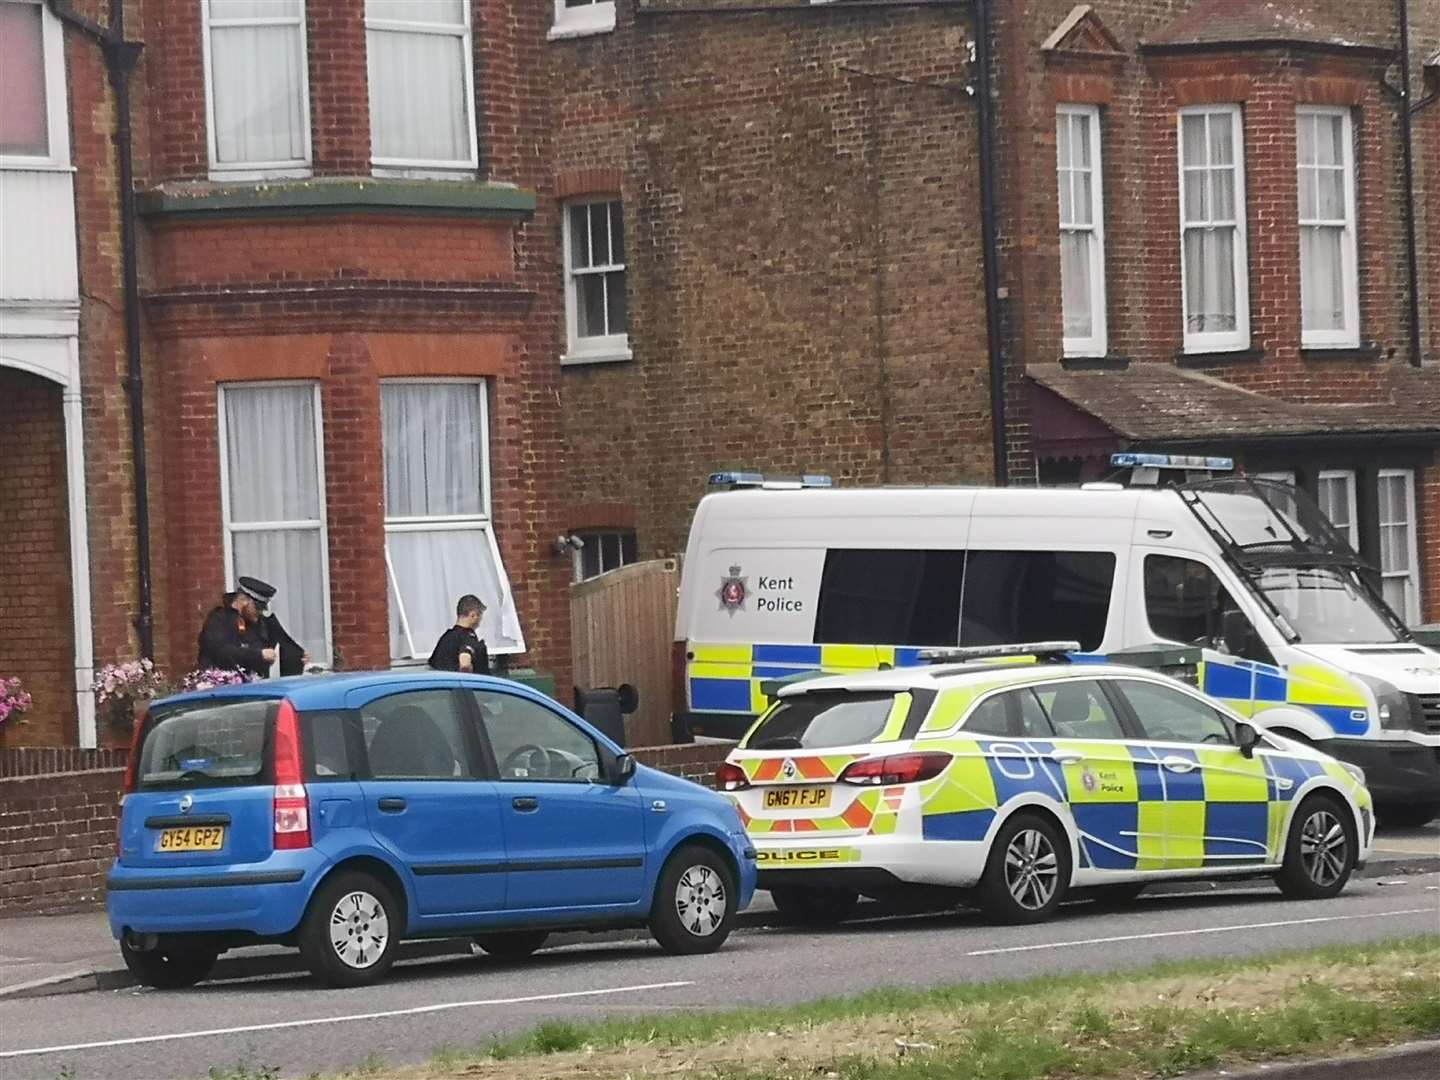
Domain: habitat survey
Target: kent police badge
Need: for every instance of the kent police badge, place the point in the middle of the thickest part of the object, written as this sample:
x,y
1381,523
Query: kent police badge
x,y
732,591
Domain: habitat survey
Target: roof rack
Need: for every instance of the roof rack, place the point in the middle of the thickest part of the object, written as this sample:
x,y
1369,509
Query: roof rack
x,y
1041,650
733,479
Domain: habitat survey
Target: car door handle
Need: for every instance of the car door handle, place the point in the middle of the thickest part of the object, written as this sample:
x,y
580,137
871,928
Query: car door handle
x,y
392,805
1066,757
1179,764
525,803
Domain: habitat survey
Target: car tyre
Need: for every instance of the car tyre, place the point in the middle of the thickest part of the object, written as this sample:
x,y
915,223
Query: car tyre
x,y
1028,872
1407,816
350,931
1320,849
168,967
694,906
511,944
806,905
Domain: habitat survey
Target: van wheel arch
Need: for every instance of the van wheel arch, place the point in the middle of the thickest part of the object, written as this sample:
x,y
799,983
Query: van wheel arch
x,y
381,871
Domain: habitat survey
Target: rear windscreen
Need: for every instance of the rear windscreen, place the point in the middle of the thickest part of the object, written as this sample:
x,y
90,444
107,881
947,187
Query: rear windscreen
x,y
816,720
206,742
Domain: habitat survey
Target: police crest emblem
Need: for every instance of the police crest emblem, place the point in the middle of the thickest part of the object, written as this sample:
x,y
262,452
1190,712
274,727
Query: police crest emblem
x,y
733,591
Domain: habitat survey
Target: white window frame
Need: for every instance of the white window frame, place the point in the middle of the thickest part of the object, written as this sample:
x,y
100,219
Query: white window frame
x,y
1411,614
256,170
482,522
1096,344
57,108
1236,340
1349,335
420,167
1352,530
599,349
322,526
571,22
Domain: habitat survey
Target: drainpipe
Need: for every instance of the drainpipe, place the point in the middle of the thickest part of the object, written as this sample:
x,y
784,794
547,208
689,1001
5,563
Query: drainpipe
x,y
1407,146
121,56
990,229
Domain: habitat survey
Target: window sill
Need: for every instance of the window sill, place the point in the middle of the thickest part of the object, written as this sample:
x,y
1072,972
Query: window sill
x,y
335,195
1219,356
243,176
1340,352
21,165
583,27
608,356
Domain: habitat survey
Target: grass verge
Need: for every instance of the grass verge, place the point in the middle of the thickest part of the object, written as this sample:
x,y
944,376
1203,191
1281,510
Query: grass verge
x,y
1156,1022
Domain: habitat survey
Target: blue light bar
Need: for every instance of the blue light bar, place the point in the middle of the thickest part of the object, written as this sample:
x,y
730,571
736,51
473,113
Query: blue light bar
x,y
1172,461
737,479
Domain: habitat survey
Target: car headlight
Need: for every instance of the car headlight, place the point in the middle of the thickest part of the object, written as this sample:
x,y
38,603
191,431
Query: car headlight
x,y
1392,706
1357,773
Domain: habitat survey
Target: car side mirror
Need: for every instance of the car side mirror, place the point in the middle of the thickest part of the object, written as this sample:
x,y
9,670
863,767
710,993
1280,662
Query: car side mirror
x,y
1246,738
621,770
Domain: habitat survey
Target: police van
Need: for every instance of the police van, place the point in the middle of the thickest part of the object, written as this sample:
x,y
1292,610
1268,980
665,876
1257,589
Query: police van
x,y
792,577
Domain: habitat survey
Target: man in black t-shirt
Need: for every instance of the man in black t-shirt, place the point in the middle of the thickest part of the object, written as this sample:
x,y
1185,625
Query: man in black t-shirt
x,y
460,648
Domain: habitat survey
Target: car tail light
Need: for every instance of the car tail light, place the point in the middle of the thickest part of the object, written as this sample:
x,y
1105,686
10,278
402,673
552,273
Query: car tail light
x,y
895,769
730,777
292,803
132,763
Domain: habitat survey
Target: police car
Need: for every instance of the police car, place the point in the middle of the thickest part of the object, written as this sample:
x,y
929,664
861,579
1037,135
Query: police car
x,y
1024,782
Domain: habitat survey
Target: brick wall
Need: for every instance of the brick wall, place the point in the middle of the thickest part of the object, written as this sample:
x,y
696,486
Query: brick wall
x,y
57,829
36,623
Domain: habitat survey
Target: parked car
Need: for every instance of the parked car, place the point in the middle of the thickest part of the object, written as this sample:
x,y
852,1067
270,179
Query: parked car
x,y
1016,785
343,814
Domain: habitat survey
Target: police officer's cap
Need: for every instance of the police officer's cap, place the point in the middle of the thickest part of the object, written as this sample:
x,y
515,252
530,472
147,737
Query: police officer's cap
x,y
261,592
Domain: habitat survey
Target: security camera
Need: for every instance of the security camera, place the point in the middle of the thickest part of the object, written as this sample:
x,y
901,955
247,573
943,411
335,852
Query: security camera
x,y
565,543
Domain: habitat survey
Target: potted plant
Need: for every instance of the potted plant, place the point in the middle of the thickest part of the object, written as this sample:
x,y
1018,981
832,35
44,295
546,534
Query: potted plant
x,y
14,701
119,688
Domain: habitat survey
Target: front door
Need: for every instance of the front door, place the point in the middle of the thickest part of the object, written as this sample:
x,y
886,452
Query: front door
x,y
428,804
571,839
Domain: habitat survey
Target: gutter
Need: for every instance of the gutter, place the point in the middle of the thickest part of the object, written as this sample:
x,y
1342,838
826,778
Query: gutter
x,y
1407,146
121,56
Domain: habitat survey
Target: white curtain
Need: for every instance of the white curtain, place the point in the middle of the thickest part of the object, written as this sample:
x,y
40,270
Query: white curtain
x,y
258,81
1075,300
419,71
1210,280
434,568
434,440
1322,277
1208,158
1324,219
273,478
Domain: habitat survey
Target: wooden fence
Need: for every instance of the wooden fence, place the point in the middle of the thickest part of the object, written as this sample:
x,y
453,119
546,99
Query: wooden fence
x,y
622,624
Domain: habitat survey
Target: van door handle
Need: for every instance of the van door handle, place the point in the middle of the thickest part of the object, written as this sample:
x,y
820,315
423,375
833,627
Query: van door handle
x,y
392,805
1066,757
525,803
1179,764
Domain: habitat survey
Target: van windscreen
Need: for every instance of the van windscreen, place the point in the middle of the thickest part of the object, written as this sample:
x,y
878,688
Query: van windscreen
x,y
812,721
210,742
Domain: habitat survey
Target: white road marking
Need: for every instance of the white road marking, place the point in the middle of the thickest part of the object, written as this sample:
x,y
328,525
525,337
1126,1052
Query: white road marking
x,y
416,1011
1201,930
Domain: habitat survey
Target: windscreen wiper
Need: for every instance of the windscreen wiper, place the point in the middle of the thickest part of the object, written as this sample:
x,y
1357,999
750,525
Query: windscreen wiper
x,y
779,742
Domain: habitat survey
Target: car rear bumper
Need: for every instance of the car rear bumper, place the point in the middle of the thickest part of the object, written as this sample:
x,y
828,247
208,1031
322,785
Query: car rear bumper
x,y
265,899
856,860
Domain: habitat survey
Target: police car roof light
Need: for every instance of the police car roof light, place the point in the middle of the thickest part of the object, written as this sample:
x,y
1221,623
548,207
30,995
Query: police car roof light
x,y
736,479
1041,650
1193,462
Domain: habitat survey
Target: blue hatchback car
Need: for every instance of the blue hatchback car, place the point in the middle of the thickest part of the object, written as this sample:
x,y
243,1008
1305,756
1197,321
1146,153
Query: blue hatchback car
x,y
343,814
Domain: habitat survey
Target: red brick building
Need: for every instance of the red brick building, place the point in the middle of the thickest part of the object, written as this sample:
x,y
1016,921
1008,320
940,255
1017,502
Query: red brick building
x,y
349,329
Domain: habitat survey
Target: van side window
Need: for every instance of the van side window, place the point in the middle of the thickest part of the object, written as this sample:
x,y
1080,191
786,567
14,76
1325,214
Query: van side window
x,y
1013,596
1186,602
890,597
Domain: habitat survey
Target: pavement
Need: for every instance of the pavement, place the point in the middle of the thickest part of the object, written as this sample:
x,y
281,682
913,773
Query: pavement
x,y
44,955
1412,1061
285,1023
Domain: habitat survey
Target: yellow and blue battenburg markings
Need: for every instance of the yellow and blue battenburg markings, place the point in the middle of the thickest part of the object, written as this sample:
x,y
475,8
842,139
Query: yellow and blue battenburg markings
x,y
1249,687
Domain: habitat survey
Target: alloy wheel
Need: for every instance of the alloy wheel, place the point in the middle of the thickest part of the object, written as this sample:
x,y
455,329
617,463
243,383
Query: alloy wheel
x,y
359,929
1323,848
700,900
1032,869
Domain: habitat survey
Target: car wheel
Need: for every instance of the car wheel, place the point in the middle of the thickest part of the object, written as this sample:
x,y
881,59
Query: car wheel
x,y
1411,816
511,944
806,905
351,930
694,906
168,967
1113,896
1028,872
1320,850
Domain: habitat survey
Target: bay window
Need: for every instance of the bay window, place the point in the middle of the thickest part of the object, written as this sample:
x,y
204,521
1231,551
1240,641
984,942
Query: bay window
x,y
257,87
272,495
439,537
1082,229
1399,560
1329,293
34,127
1213,265
422,90
1335,492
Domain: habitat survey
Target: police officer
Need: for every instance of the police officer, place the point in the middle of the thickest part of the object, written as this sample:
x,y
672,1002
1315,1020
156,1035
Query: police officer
x,y
239,635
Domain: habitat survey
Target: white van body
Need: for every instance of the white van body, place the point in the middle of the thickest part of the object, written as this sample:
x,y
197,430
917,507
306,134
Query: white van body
x,y
779,582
